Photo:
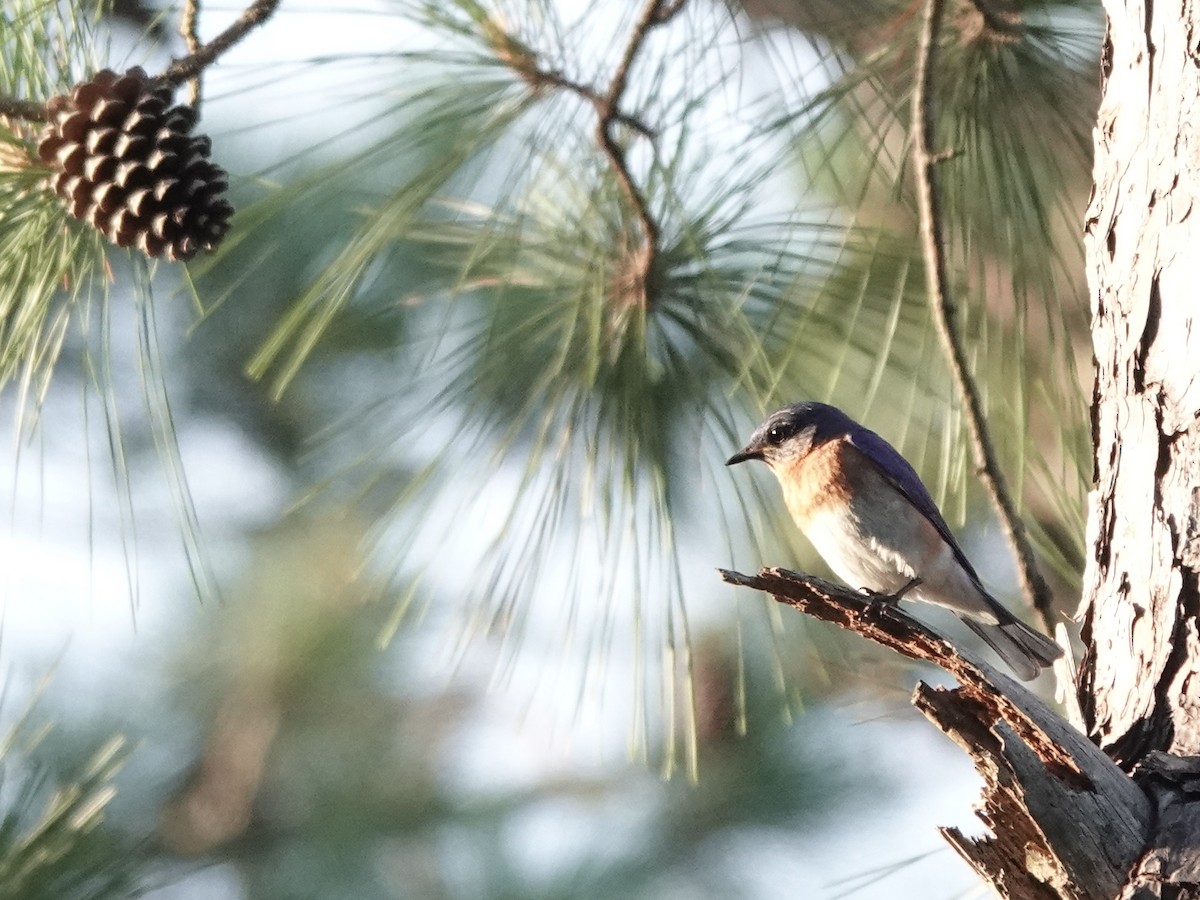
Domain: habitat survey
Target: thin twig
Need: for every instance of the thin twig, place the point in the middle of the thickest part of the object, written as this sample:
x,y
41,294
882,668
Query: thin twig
x,y
555,79
655,13
668,12
636,267
188,28
193,64
187,69
1033,586
998,25
26,110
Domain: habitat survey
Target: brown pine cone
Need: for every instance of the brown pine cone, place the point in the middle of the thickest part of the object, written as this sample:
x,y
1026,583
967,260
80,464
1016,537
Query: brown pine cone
x,y
125,162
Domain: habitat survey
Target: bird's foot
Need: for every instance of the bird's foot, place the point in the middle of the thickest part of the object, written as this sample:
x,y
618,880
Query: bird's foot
x,y
875,597
899,595
878,604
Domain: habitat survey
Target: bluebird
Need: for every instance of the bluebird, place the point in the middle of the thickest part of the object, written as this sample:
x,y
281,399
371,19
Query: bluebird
x,y
872,520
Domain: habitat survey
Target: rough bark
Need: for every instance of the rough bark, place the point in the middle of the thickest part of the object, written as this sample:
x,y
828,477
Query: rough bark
x,y
1139,685
1064,821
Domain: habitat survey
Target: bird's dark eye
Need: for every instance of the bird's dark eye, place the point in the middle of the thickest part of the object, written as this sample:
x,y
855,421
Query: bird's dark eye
x,y
776,434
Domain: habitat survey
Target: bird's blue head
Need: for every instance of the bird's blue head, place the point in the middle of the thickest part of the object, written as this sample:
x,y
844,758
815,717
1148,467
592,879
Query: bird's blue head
x,y
793,432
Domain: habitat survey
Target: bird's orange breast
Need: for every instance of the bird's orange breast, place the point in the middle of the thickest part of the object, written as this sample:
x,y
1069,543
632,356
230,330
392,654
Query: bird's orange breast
x,y
817,480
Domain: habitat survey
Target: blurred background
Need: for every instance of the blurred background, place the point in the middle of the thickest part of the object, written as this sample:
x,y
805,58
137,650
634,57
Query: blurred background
x,y
374,555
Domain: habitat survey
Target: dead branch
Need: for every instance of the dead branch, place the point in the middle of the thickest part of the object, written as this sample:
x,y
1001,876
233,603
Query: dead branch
x,y
1037,768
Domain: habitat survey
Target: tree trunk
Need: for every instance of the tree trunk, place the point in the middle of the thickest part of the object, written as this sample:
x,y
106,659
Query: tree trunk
x,y
1139,683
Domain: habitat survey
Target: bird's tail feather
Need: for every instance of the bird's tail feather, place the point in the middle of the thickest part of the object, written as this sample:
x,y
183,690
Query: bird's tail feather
x,y
1025,651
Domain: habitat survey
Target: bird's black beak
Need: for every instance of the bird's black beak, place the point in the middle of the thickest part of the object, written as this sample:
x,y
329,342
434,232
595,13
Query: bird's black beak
x,y
741,456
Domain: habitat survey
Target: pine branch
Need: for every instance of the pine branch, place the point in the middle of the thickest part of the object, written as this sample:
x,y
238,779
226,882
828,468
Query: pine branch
x,y
197,61
553,78
654,14
522,60
189,68
25,110
1001,24
1033,586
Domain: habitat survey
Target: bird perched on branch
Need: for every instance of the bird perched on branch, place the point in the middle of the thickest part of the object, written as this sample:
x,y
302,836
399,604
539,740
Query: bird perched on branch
x,y
873,521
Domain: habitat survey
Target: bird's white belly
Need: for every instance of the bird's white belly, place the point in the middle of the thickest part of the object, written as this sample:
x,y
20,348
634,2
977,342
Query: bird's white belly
x,y
850,547
888,546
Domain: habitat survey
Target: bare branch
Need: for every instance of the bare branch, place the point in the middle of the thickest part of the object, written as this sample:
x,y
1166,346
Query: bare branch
x,y
879,620
194,63
191,38
925,160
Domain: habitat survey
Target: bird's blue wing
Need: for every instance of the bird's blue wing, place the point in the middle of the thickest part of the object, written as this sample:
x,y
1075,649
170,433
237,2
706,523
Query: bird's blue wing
x,y
900,475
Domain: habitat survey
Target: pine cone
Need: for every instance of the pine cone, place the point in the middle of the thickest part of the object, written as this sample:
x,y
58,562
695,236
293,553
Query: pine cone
x,y
126,163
